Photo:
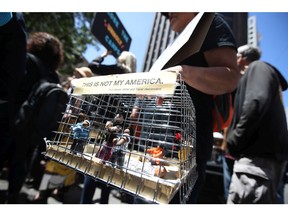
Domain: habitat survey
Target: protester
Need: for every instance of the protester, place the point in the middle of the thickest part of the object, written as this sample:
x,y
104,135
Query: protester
x,y
211,71
13,40
126,63
44,51
257,136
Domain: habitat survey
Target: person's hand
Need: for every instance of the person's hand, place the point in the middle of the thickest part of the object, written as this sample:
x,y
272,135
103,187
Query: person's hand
x,y
106,53
177,69
115,129
134,114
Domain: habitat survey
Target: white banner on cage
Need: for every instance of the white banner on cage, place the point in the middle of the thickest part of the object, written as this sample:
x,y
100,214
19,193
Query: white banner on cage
x,y
162,83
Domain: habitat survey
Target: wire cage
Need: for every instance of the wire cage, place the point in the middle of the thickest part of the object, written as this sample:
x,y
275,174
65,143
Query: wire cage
x,y
157,159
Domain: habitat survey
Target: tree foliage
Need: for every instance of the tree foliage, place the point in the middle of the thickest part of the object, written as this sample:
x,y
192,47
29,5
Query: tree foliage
x,y
72,29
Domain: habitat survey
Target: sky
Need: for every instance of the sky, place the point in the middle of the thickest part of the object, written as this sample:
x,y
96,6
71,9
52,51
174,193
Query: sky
x,y
271,27
273,39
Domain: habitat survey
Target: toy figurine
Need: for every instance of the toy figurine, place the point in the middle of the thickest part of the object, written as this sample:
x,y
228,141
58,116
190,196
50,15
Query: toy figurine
x,y
113,128
118,152
156,159
156,153
80,136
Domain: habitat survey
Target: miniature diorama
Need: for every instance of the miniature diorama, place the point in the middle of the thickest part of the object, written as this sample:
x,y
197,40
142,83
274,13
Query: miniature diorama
x,y
141,137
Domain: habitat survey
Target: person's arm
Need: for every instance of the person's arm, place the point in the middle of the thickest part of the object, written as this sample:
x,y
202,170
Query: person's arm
x,y
220,77
110,128
106,53
135,111
101,58
123,139
75,128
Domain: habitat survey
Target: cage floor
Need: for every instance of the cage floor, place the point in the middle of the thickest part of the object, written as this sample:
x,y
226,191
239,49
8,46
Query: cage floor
x,y
135,179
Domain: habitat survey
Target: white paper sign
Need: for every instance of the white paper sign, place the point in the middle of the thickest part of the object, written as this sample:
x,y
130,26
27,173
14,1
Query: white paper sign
x,y
162,83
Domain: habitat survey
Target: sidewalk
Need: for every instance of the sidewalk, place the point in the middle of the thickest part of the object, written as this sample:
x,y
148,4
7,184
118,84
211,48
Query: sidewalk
x,y
72,196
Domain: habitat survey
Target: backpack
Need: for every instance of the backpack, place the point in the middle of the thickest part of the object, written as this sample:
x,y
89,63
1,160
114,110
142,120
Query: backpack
x,y
222,111
40,112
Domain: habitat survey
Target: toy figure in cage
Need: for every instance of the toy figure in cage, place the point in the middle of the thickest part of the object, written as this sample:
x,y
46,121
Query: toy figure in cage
x,y
119,151
80,136
113,128
156,158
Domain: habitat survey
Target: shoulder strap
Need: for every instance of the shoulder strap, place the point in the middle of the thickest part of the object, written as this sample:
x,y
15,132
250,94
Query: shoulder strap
x,y
39,89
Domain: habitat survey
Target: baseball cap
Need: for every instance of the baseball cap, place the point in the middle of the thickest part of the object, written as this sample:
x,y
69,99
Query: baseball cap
x,y
86,122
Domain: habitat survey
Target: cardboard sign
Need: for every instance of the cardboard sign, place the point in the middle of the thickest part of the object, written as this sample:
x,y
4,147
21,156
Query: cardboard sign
x,y
110,32
186,44
162,83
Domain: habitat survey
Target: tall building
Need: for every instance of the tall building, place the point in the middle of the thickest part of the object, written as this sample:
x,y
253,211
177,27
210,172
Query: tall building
x,y
252,31
162,35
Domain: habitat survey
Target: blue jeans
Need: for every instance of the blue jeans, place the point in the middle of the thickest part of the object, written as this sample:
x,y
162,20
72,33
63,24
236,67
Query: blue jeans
x,y
227,166
89,190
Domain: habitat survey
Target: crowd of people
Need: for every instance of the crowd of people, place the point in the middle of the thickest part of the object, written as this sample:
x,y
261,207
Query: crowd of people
x,y
256,140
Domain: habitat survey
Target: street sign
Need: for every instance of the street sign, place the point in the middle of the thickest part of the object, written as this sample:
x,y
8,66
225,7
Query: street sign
x,y
111,33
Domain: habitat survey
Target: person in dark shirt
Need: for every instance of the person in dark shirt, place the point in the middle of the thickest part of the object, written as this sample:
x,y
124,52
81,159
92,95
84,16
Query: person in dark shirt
x,y
211,71
257,136
44,57
13,39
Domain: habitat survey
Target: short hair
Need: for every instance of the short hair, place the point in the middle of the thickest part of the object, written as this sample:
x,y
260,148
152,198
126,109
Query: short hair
x,y
120,113
249,52
46,47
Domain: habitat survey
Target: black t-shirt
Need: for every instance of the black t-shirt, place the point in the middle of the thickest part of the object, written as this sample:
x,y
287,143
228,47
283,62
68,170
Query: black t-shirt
x,y
219,35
